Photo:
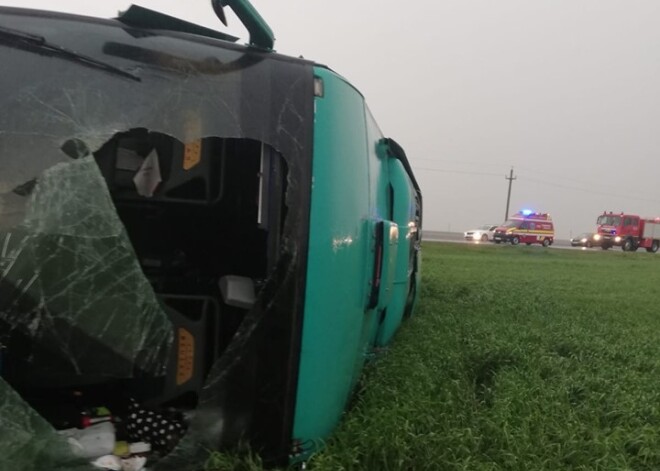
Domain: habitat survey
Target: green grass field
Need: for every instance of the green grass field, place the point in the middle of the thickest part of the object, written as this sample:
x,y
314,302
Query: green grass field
x,y
518,358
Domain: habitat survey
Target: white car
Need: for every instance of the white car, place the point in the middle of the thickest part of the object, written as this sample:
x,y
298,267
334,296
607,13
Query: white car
x,y
483,233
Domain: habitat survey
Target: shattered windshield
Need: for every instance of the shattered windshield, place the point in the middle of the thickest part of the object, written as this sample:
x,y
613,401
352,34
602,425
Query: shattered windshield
x,y
146,228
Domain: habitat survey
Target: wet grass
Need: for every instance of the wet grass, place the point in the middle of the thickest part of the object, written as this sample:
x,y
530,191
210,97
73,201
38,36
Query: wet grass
x,y
517,358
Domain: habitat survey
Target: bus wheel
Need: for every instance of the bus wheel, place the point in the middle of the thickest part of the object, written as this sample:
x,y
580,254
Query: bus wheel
x,y
546,242
654,247
515,240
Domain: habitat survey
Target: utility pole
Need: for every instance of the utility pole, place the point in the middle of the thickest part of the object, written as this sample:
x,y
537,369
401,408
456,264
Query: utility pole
x,y
508,196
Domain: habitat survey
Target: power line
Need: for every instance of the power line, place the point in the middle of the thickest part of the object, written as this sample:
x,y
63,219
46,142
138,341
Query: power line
x,y
470,163
456,171
544,182
557,176
596,192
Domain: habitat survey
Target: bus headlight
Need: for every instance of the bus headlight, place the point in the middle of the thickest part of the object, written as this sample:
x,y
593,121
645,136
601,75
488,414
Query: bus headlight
x,y
617,239
596,236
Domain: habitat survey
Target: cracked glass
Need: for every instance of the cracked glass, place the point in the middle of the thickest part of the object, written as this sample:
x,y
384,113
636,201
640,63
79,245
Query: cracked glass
x,y
93,278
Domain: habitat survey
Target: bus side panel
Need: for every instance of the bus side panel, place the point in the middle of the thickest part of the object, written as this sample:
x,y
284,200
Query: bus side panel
x,y
403,215
340,262
380,209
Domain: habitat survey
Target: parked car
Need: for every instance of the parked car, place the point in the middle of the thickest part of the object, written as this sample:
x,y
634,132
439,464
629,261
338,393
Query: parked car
x,y
586,239
483,233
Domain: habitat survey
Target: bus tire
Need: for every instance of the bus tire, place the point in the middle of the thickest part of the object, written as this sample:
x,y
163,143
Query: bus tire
x,y
515,240
546,242
654,247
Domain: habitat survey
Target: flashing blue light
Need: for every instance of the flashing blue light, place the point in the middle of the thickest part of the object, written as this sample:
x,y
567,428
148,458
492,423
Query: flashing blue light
x,y
526,212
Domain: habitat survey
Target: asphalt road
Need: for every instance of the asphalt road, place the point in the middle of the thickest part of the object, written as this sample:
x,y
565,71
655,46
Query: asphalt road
x,y
440,236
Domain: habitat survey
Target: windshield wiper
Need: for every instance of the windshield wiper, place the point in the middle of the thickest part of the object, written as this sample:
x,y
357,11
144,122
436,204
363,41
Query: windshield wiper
x,y
32,42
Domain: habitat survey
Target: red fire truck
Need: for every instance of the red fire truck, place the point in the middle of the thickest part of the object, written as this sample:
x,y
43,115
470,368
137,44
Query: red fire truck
x,y
628,231
527,227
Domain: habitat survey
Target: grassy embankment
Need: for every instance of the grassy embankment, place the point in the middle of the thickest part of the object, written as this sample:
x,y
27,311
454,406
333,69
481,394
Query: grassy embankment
x,y
517,358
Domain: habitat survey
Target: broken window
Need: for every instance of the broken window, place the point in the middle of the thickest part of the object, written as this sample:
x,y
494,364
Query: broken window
x,y
124,274
154,221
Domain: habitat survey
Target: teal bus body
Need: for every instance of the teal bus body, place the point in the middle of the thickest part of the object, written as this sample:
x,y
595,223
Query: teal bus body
x,y
210,232
356,184
334,334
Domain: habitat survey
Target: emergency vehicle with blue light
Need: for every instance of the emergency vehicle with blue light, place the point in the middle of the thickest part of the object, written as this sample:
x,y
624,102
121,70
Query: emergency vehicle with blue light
x,y
527,227
627,231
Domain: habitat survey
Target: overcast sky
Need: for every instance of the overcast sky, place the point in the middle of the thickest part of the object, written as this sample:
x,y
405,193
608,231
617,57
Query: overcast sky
x,y
567,92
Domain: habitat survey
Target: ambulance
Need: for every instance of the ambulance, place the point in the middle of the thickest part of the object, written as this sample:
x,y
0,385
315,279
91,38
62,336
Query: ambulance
x,y
527,227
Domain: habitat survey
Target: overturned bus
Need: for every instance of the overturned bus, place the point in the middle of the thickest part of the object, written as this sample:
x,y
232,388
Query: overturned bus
x,y
200,241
